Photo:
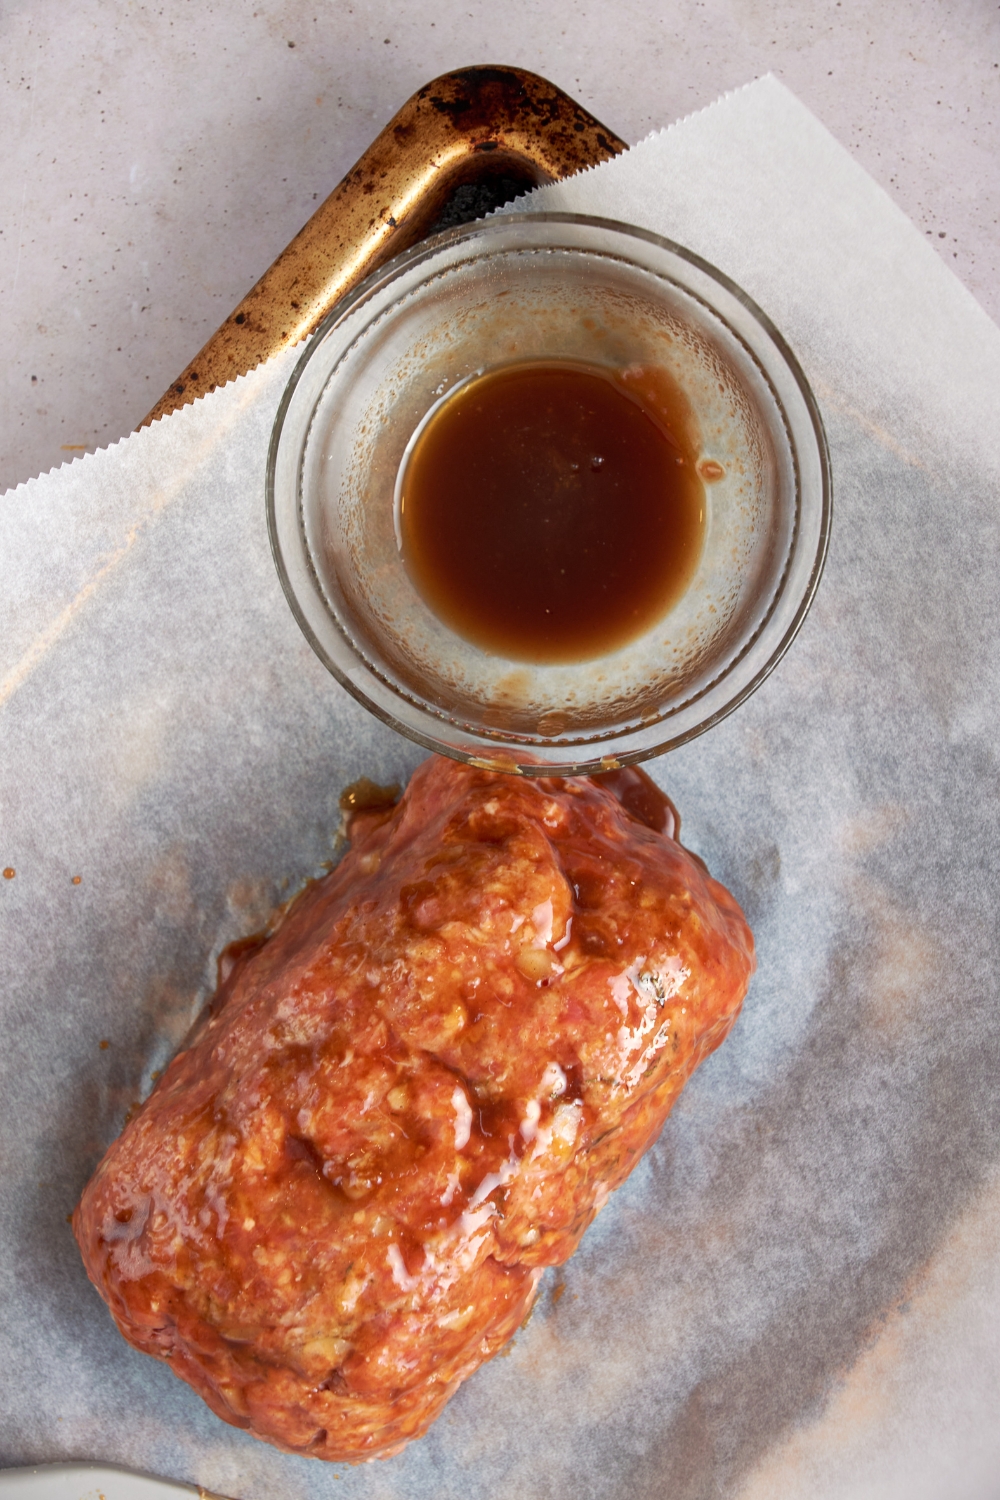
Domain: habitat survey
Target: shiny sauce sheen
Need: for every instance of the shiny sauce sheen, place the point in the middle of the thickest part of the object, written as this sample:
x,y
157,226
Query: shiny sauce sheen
x,y
553,511
413,1098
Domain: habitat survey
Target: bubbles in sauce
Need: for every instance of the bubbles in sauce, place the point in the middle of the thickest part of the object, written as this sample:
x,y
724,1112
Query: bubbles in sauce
x,y
553,511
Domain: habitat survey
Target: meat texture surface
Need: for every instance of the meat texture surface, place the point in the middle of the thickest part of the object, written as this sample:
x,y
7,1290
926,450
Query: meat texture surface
x,y
410,1100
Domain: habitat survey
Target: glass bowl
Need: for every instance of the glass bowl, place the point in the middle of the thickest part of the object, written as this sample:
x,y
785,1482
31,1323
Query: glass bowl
x,y
546,287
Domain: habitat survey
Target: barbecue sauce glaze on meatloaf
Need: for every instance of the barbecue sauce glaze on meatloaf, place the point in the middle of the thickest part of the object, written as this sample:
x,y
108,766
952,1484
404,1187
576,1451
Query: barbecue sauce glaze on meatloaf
x,y
414,1097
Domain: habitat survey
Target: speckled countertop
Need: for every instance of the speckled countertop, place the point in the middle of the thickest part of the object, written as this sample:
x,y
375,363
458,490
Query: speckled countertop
x,y
158,157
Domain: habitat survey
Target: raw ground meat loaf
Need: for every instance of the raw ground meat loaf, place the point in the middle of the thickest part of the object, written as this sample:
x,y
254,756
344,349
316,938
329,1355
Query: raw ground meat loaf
x,y
411,1099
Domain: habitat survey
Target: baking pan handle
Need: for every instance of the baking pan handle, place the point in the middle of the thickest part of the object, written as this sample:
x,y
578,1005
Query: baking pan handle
x,y
478,125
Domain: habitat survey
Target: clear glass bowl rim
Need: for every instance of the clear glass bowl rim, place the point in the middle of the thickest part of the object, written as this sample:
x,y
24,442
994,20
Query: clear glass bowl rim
x,y
504,755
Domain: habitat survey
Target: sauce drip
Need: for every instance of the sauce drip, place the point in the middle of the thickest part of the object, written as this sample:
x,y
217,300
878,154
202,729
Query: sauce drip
x,y
552,512
365,795
639,795
365,804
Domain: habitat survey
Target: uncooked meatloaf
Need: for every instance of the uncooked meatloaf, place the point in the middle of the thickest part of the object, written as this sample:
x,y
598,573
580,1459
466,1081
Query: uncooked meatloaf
x,y
410,1100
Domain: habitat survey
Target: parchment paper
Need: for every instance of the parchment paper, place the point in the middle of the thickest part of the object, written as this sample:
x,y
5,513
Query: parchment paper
x,y
798,1291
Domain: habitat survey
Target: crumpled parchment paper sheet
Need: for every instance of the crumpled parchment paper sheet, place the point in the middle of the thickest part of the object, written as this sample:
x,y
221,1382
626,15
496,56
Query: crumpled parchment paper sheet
x,y
798,1291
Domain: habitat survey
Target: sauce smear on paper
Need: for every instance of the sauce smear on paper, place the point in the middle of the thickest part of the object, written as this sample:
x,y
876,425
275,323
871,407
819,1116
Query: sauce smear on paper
x,y
552,511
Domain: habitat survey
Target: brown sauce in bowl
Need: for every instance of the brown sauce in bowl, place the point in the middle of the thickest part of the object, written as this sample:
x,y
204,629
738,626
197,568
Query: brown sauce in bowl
x,y
553,511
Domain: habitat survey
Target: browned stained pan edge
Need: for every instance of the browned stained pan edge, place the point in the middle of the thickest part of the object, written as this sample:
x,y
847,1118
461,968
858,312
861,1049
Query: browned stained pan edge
x,y
462,128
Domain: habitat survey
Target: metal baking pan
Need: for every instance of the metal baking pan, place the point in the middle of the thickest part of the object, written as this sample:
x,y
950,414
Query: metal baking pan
x,y
464,144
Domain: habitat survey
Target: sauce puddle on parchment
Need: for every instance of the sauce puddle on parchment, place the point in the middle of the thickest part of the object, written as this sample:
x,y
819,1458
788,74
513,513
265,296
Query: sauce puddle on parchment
x,y
550,511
